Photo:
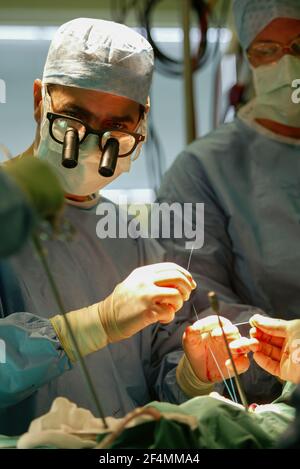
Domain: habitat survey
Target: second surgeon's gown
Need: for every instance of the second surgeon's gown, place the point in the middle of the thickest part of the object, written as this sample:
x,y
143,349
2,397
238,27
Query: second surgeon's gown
x,y
250,186
127,374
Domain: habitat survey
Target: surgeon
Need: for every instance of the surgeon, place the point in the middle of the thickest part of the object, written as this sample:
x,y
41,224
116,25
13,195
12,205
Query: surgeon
x,y
119,294
246,174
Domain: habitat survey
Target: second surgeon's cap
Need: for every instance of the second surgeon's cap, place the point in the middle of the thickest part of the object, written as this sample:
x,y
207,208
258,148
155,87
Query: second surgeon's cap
x,y
103,56
252,16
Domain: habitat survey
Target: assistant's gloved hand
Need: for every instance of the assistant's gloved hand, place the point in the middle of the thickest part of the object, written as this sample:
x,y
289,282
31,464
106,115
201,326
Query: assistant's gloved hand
x,y
39,184
204,345
148,295
278,347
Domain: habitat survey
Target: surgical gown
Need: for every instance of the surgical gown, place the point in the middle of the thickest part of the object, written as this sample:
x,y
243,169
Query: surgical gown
x,y
126,374
16,216
30,352
250,186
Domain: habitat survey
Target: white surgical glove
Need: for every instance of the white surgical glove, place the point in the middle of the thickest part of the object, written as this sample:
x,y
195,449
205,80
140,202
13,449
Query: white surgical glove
x,y
148,295
206,355
278,348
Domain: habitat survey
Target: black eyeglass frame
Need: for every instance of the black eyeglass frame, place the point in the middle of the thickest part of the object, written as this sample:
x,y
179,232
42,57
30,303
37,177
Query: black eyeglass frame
x,y
51,116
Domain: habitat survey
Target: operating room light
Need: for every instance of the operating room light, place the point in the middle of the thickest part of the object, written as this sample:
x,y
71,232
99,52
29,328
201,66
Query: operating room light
x,y
45,33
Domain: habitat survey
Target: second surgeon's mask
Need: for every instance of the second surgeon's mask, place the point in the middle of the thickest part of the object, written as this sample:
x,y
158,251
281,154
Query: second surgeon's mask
x,y
84,179
273,86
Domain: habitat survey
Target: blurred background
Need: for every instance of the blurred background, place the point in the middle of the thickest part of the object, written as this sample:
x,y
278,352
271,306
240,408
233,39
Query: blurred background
x,y
183,105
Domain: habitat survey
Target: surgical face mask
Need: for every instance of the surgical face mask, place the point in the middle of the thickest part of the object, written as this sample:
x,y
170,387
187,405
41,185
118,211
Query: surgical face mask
x,y
273,86
84,179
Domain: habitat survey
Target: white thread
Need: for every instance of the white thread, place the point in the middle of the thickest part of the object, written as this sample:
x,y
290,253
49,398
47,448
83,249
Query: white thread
x,y
232,385
241,323
195,312
190,258
232,396
220,371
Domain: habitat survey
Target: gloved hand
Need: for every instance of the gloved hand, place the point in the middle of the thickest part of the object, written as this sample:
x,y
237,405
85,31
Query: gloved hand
x,y
148,295
278,347
39,183
204,346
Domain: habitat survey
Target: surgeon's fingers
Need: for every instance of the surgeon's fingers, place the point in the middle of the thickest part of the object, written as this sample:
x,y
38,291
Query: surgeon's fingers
x,y
268,350
230,331
163,313
172,266
209,323
175,280
271,326
197,333
242,364
267,338
267,363
191,337
167,296
243,345
167,266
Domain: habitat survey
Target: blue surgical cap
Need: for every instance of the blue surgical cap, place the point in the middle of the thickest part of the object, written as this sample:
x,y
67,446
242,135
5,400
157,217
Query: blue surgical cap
x,y
101,55
252,16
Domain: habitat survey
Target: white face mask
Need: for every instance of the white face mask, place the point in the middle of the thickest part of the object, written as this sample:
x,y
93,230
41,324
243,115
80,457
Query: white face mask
x,y
273,86
84,179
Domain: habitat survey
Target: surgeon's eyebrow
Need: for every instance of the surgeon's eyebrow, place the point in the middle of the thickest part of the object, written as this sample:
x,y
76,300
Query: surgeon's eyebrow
x,y
85,115
75,111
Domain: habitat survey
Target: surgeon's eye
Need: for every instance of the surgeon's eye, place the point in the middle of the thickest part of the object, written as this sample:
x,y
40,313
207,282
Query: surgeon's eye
x,y
127,142
61,124
264,50
115,125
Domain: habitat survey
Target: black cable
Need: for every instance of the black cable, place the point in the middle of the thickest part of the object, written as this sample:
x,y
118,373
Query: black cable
x,y
219,21
165,64
155,157
120,9
222,19
169,67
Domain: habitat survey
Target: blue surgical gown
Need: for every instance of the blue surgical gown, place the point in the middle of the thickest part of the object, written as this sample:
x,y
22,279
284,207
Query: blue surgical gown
x,y
250,185
30,352
16,216
126,374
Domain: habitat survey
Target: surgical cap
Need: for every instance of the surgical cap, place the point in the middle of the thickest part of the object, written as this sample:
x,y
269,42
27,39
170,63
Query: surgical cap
x,y
100,55
252,16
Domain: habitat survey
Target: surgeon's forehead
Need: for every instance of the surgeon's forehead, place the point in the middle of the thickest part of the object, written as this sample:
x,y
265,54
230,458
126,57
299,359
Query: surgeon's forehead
x,y
281,30
91,104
